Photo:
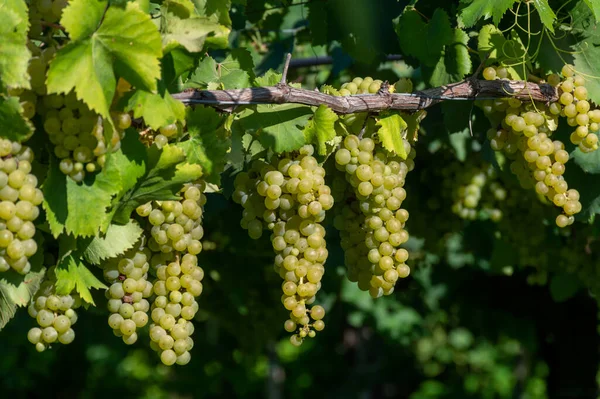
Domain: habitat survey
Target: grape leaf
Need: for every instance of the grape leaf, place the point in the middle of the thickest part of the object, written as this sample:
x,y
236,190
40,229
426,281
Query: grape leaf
x,y
455,62
321,129
166,172
117,240
586,60
278,126
270,78
216,11
317,22
17,292
232,73
546,14
72,274
564,286
208,143
589,163
491,41
594,5
14,125
121,39
478,9
157,109
390,134
181,8
424,41
190,33
81,209
14,54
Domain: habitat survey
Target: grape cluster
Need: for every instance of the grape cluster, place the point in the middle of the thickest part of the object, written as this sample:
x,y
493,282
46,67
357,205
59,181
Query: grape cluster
x,y
372,221
360,86
176,230
41,11
55,316
289,197
475,190
574,105
178,284
176,225
78,134
127,295
19,206
524,135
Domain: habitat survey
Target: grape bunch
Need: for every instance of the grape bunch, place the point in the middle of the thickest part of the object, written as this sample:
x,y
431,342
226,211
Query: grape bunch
x,y
178,284
289,197
371,221
78,134
175,229
19,206
524,136
55,315
48,11
476,193
127,295
176,225
360,86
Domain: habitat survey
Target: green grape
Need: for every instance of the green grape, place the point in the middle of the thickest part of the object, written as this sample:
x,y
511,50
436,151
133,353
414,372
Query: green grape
x,y
371,232
128,292
298,238
54,315
19,206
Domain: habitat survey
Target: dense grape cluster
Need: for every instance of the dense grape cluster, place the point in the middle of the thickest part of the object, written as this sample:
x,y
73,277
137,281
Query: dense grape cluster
x,y
289,197
524,135
176,230
372,220
176,225
55,316
475,192
19,206
128,292
44,13
178,284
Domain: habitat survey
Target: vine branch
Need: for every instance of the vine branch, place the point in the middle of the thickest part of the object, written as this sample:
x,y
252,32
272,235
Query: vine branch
x,y
466,90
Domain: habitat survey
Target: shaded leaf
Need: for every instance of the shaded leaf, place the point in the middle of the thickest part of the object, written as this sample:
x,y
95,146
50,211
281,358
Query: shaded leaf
x,y
14,54
14,125
484,9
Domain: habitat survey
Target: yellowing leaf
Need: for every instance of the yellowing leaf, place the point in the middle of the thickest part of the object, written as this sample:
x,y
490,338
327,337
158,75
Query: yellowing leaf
x,y
390,134
321,128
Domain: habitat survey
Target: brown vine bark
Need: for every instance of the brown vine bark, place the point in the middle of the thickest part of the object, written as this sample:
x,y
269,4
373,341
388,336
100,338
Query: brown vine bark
x,y
470,89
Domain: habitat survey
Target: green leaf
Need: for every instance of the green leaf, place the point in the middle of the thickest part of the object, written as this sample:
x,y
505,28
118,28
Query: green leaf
x,y
424,41
594,5
208,143
166,173
235,72
546,14
278,126
589,163
14,54
18,291
321,129
485,9
14,125
270,78
490,44
455,62
390,134
121,39
317,21
157,109
564,286
72,274
81,209
586,60
218,12
190,33
117,240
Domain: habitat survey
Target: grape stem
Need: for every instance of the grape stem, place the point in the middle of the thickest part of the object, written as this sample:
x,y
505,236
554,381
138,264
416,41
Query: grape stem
x,y
466,90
